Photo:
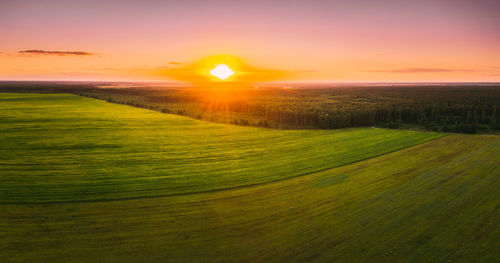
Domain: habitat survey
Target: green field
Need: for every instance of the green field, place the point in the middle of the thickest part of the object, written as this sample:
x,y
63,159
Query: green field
x,y
84,180
70,148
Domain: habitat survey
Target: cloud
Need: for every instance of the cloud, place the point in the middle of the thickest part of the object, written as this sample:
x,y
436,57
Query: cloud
x,y
55,53
305,71
7,54
104,69
175,63
420,70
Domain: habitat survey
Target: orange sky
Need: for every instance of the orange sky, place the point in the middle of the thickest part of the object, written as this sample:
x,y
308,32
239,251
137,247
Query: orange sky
x,y
336,40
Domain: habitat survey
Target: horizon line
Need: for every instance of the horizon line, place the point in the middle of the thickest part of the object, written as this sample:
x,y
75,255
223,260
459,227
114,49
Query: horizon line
x,y
256,84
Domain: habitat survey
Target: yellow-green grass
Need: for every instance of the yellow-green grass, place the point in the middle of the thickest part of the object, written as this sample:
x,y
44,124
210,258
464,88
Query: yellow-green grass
x,y
435,202
65,148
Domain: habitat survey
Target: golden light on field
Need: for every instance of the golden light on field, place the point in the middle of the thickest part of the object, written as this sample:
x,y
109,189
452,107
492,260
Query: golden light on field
x,y
222,71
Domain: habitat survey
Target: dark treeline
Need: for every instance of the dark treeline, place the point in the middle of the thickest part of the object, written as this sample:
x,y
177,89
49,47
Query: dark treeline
x,y
448,108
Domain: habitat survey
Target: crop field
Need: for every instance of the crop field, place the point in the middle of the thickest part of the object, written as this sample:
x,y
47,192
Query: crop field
x,y
83,180
70,148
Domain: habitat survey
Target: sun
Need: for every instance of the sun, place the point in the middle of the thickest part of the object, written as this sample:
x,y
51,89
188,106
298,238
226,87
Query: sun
x,y
221,71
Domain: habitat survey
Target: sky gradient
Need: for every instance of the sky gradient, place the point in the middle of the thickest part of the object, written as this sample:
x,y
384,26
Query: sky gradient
x,y
335,40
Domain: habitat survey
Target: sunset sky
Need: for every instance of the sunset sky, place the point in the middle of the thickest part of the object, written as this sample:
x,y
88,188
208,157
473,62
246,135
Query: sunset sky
x,y
327,40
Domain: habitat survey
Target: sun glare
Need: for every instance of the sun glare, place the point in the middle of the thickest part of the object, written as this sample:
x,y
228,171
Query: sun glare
x,y
222,71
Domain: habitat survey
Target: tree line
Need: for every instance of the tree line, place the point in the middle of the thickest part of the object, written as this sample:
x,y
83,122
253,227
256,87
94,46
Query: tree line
x,y
447,108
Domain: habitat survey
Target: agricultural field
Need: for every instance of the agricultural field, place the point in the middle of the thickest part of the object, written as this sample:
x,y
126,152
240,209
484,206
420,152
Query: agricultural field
x,y
83,180
72,148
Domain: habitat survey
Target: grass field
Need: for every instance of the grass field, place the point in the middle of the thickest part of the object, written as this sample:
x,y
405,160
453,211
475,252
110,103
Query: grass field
x,y
83,180
70,148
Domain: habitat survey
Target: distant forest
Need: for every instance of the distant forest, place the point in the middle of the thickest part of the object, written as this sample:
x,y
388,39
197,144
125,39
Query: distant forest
x,y
447,108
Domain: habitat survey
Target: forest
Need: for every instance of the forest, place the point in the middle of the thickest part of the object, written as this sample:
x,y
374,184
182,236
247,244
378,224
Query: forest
x,y
459,108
